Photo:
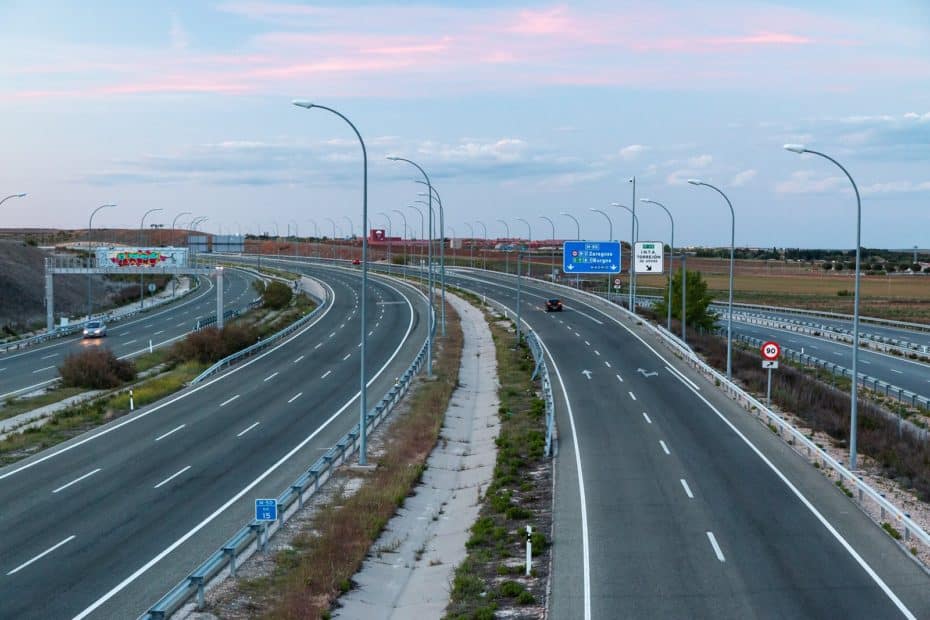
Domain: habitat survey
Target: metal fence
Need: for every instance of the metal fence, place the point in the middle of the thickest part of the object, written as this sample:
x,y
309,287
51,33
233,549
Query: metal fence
x,y
254,536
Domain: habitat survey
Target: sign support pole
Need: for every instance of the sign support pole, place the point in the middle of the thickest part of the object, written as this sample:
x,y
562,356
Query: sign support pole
x,y
768,391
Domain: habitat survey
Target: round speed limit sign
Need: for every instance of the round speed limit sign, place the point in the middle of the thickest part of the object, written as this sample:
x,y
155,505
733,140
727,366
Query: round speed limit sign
x,y
770,350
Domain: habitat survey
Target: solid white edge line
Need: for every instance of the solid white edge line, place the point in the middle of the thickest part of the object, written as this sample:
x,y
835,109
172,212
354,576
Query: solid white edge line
x,y
41,555
171,477
173,430
678,374
684,483
664,447
76,480
229,400
247,430
713,543
180,541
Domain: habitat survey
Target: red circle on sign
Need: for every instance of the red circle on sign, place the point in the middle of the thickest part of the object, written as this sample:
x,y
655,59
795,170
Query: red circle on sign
x,y
770,350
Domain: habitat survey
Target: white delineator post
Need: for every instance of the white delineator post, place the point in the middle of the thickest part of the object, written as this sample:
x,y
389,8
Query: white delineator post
x,y
219,297
529,549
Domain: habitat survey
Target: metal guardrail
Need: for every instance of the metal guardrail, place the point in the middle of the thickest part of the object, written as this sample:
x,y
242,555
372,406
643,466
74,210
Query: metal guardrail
x,y
542,371
876,385
256,534
861,492
228,314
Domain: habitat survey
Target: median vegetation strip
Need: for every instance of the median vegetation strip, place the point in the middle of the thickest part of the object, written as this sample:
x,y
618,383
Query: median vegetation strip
x,y
318,562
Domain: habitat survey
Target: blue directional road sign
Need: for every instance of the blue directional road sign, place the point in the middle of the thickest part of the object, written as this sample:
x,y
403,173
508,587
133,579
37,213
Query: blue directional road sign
x,y
591,257
266,510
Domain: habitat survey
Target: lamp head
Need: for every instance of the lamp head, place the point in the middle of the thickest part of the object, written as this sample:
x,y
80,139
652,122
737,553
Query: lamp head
x,y
646,200
795,148
617,204
20,195
695,181
302,103
392,158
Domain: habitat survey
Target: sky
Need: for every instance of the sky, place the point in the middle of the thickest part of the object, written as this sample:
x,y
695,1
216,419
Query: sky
x,y
515,110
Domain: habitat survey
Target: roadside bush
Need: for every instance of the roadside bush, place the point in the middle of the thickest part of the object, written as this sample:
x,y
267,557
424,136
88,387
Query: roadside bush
x,y
826,266
277,295
211,344
96,369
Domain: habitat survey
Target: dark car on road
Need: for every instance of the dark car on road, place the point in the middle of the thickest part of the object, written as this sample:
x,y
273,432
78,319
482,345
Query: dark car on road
x,y
553,305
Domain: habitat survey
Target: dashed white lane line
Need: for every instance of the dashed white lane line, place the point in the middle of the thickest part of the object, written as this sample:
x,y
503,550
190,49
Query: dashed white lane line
x,y
270,377
597,353
646,415
149,325
619,378
812,346
900,372
587,343
172,477
632,395
326,374
244,431
226,402
161,331
130,341
607,364
123,334
41,555
298,359
47,357
684,483
173,430
865,362
341,326
371,332
42,369
713,543
664,447
181,324
295,397
348,355
76,480
318,346
332,334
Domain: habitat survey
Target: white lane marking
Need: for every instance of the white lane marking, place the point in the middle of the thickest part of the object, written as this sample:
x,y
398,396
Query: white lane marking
x,y
161,331
226,402
247,430
348,355
123,334
865,362
646,415
681,377
41,555
597,353
358,346
270,377
713,543
149,325
298,359
295,397
47,357
632,395
900,372
587,343
326,374
129,342
332,334
172,477
377,324
2,369
42,369
607,364
76,480
371,332
812,346
173,430
664,447
577,334
688,492
619,378
318,346
341,326
181,324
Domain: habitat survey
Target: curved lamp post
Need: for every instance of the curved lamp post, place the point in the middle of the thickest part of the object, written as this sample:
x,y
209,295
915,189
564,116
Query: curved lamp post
x,y
485,253
363,380
610,228
506,253
12,196
90,224
404,218
442,251
471,245
390,233
577,237
732,247
333,222
142,275
853,390
632,295
670,254
552,225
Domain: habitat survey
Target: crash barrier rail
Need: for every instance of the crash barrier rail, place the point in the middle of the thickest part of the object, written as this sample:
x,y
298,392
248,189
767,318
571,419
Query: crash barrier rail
x,y
106,317
228,314
542,371
860,491
254,536
876,385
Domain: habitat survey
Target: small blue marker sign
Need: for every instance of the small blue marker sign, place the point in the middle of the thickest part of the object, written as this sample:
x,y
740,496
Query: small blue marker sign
x,y
266,510
587,257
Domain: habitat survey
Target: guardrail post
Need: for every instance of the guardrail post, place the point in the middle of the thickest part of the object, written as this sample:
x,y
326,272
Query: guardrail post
x,y
198,581
231,552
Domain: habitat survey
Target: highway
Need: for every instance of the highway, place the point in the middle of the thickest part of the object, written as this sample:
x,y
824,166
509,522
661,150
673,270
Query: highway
x,y
104,525
31,368
672,502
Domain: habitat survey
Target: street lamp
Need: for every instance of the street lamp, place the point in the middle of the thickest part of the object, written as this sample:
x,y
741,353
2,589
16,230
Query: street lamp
x,y
610,229
632,301
577,237
403,216
552,225
390,233
90,224
670,254
12,196
333,222
175,220
506,252
853,393
529,239
142,274
442,251
471,245
352,226
429,260
363,404
732,247
485,229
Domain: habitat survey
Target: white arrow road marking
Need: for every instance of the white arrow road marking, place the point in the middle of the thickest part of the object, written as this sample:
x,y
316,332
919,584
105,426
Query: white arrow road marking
x,y
172,477
174,430
41,555
586,373
651,373
76,480
713,543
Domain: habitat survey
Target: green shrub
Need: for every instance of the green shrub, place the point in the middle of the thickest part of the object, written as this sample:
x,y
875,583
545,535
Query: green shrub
x,y
277,295
211,344
96,369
